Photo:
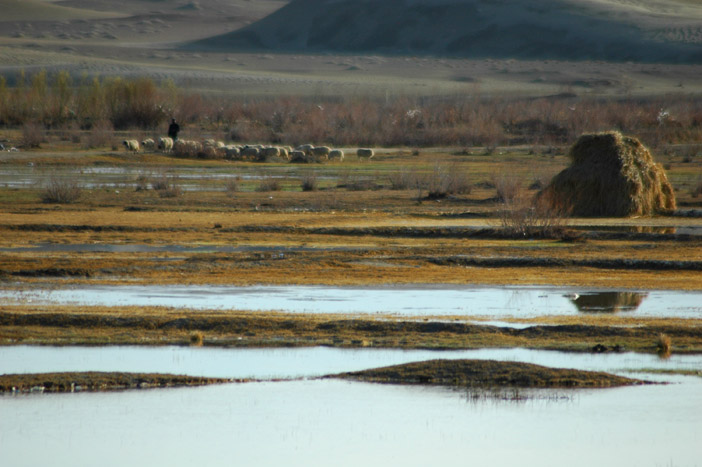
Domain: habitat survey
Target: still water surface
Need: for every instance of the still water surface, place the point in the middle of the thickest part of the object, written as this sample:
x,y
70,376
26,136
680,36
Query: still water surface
x,y
414,300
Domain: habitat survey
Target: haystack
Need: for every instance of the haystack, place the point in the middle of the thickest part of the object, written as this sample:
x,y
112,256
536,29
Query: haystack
x,y
610,176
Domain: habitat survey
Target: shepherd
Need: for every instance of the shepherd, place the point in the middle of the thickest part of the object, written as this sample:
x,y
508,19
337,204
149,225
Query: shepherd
x,y
173,129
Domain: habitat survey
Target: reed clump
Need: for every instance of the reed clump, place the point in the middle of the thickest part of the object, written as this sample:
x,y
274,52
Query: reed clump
x,y
611,175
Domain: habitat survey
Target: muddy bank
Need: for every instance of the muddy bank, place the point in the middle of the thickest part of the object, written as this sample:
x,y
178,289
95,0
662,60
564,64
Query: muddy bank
x,y
487,374
97,381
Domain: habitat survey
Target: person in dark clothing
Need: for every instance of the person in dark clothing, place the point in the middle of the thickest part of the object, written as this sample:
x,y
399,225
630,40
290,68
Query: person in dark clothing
x,y
173,130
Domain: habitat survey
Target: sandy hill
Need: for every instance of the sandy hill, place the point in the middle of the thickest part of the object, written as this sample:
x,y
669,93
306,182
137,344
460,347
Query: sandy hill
x,y
44,10
617,30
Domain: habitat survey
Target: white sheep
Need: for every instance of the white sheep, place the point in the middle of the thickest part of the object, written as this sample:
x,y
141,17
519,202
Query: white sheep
x,y
270,152
231,152
165,144
306,148
336,155
148,144
131,145
365,153
321,152
250,152
284,153
298,156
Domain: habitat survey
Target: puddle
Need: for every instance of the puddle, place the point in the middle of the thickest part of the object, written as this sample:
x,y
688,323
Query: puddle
x,y
313,422
298,362
417,300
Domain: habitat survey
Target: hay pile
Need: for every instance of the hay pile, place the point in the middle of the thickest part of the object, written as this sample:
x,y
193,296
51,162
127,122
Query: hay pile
x,y
611,176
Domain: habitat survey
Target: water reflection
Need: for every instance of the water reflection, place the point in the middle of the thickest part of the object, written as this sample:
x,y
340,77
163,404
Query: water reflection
x,y
608,302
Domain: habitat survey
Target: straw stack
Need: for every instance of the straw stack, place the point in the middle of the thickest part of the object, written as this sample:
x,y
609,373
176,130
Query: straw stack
x,y
611,176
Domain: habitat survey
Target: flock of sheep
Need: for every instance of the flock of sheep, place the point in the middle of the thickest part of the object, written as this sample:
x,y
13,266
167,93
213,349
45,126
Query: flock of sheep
x,y
211,149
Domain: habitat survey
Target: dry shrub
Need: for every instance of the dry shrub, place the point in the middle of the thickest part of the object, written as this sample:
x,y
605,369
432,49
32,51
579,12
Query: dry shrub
x,y
697,190
405,179
269,184
60,190
166,185
100,135
664,345
196,339
32,135
309,182
509,187
610,175
522,217
446,180
233,185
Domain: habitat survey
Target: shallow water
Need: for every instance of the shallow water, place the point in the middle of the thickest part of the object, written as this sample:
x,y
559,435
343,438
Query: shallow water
x,y
298,362
348,424
415,300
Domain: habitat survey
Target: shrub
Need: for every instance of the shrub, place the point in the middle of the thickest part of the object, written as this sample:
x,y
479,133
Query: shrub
x,y
32,135
309,182
60,190
664,345
232,185
269,184
196,339
99,135
166,185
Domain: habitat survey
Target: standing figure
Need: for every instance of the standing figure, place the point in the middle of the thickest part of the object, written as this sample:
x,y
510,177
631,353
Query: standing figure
x,y
173,129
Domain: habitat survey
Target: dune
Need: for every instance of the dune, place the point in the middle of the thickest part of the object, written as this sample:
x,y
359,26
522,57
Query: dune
x,y
614,30
38,10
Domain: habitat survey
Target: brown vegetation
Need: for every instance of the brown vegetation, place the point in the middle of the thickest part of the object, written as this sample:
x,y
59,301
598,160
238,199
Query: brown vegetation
x,y
53,101
97,381
487,374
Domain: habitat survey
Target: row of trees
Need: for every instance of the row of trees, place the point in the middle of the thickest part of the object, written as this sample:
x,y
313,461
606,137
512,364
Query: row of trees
x,y
58,100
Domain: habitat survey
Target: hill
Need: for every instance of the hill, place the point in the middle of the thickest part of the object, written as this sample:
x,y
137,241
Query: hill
x,y
614,30
38,10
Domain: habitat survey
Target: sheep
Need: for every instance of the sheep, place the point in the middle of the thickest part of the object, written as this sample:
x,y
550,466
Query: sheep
x,y
321,152
364,153
306,148
165,144
250,152
270,152
336,155
284,153
131,145
148,144
187,148
298,156
209,143
231,152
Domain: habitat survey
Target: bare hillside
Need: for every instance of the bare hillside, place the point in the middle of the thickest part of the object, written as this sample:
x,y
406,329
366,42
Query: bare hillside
x,y
616,30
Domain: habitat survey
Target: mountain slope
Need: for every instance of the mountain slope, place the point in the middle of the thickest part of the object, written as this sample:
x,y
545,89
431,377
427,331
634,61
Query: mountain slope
x,y
638,30
38,10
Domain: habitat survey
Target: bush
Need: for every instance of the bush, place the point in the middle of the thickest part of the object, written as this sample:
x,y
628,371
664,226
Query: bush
x,y
269,184
32,135
60,190
309,182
